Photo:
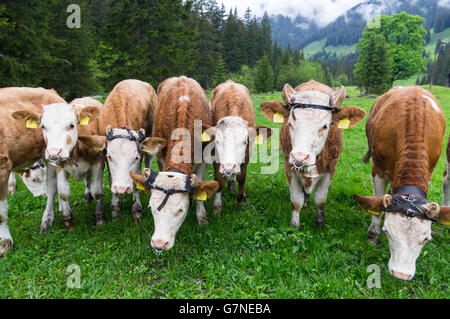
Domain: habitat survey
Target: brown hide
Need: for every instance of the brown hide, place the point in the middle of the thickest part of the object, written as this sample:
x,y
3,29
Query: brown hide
x,y
232,99
327,160
20,146
405,135
131,103
173,112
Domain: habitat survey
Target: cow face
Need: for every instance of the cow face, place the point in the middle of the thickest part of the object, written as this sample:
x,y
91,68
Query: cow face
x,y
35,179
59,123
308,128
232,139
170,211
406,235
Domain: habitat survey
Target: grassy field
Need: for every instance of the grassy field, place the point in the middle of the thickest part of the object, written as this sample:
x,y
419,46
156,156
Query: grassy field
x,y
248,252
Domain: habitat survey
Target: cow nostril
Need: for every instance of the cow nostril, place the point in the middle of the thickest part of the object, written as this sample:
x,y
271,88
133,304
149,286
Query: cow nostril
x,y
400,275
159,244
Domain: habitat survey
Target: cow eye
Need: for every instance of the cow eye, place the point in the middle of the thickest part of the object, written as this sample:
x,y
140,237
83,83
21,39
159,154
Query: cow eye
x,y
324,127
71,126
43,127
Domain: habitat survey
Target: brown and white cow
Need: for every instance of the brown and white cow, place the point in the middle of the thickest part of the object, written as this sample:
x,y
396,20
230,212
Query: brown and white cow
x,y
19,146
181,101
126,117
311,140
76,120
34,178
446,181
235,131
404,131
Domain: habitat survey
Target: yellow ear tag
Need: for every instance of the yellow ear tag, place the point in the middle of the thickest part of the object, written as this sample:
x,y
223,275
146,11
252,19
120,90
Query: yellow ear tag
x,y
344,123
278,118
446,222
31,124
140,186
98,149
84,120
373,212
259,139
202,196
205,137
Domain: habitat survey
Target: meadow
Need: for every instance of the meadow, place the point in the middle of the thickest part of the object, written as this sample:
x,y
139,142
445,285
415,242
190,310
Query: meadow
x,y
247,252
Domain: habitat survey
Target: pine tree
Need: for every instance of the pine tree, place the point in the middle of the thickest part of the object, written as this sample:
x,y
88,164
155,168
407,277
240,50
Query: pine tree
x,y
220,73
264,75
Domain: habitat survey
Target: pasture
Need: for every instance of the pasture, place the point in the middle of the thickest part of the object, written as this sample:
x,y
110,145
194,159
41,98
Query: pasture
x,y
247,252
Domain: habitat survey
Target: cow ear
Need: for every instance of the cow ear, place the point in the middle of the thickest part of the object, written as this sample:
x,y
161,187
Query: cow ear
x,y
89,111
108,129
153,145
288,91
431,209
352,113
373,203
264,131
270,108
209,188
444,215
139,179
26,115
95,142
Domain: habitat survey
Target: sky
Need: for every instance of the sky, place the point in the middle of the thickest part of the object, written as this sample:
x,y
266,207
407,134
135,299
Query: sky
x,y
322,11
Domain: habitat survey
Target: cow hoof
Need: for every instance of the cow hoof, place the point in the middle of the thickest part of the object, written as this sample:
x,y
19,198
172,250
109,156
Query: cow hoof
x,y
320,219
296,225
69,224
87,198
217,209
45,225
373,237
11,190
202,218
5,246
115,212
137,216
99,222
232,183
242,200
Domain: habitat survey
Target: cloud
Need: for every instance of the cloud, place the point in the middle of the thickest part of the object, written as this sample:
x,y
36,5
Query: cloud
x,y
444,3
321,11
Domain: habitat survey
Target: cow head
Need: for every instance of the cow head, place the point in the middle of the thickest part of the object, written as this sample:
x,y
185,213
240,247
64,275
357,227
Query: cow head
x,y
406,235
59,123
35,178
169,201
309,127
123,152
232,137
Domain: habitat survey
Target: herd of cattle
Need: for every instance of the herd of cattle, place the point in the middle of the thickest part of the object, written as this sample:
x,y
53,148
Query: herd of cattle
x,y
405,129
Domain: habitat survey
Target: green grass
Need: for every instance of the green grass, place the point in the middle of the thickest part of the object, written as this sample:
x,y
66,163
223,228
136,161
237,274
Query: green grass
x,y
248,252
319,45
431,45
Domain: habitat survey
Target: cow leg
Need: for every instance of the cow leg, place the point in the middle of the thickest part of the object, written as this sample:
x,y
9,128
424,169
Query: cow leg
x,y
217,209
96,191
137,206
201,211
297,200
48,217
6,240
63,185
446,186
161,162
320,198
231,183
379,189
241,196
87,193
12,183
115,206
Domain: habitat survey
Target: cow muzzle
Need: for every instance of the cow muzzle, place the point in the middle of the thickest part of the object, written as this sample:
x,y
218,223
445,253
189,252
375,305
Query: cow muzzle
x,y
121,190
229,169
400,275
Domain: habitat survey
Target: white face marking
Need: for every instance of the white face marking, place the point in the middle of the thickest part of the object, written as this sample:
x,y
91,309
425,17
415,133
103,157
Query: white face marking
x,y
169,219
407,236
59,123
122,156
231,143
184,98
433,104
36,182
308,128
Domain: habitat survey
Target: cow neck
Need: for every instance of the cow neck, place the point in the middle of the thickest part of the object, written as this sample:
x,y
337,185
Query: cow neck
x,y
412,166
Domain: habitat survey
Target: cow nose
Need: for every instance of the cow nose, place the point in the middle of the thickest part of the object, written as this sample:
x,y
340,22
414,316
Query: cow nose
x,y
160,244
54,153
228,168
299,158
121,190
400,275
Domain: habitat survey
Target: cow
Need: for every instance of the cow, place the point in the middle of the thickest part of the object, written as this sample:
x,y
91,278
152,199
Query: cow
x,y
234,131
446,181
126,117
79,118
19,146
34,178
311,140
404,130
181,101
